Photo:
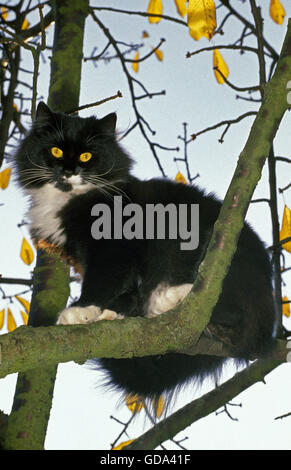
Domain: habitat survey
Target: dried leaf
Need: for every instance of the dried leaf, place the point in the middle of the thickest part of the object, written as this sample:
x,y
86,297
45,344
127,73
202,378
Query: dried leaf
x,y
5,178
159,54
277,12
25,24
134,403
2,316
26,252
156,7
11,324
286,307
24,317
285,231
145,34
181,6
4,13
135,64
180,178
123,444
24,303
201,18
219,62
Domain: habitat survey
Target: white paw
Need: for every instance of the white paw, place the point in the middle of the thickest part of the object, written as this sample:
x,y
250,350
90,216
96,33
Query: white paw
x,y
109,315
77,315
165,298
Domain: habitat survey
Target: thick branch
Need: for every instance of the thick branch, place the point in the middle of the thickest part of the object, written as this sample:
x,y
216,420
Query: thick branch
x,y
208,284
26,348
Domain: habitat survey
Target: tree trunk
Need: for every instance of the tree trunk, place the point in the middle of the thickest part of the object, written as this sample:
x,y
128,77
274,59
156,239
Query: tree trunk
x,y
28,420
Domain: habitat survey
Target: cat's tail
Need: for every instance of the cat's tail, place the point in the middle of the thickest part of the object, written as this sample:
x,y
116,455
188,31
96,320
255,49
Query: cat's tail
x,y
152,376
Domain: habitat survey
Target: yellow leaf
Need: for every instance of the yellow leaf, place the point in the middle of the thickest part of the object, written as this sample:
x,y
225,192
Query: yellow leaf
x,y
181,7
2,316
134,403
11,324
4,178
285,231
24,303
24,317
159,406
145,34
25,24
123,444
4,13
219,62
201,18
180,178
277,12
286,307
135,64
156,7
26,253
159,54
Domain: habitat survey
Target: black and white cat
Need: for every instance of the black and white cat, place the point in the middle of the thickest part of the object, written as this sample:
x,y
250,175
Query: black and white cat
x,y
67,165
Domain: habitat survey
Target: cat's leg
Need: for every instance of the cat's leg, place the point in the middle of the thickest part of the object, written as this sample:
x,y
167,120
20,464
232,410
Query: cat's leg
x,y
165,298
92,313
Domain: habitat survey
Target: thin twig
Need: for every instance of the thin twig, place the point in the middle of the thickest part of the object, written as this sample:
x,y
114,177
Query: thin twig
x,y
234,87
96,103
223,123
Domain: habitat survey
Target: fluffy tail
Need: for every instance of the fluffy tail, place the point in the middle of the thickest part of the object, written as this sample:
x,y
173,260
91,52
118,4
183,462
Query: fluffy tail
x,y
152,376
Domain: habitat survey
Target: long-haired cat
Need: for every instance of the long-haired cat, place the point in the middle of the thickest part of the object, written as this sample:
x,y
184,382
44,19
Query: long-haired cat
x,y
67,165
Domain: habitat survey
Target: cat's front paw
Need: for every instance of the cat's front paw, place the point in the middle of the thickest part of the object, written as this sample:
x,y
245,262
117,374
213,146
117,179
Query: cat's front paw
x,y
165,298
83,315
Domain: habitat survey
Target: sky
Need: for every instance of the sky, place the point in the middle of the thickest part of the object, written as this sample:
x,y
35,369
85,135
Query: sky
x,y
81,412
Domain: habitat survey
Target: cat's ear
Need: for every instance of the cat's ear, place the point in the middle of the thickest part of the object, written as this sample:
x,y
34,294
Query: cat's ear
x,y
43,112
108,123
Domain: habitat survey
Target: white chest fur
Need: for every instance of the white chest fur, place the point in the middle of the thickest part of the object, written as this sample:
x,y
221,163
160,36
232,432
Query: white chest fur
x,y
47,201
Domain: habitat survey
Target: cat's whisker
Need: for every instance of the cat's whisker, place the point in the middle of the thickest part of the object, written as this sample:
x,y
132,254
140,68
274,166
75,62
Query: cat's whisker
x,y
106,173
104,192
28,183
101,183
34,172
35,164
34,176
108,184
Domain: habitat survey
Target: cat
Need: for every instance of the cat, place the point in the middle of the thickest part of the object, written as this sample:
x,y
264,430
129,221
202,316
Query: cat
x,y
67,165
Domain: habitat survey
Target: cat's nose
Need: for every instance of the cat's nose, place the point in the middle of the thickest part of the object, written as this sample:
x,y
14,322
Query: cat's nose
x,y
68,173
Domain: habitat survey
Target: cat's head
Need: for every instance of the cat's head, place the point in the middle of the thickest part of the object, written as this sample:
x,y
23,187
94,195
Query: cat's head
x,y
71,153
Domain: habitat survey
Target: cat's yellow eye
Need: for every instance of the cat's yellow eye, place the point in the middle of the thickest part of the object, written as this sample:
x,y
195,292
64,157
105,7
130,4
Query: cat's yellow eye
x,y
85,157
56,152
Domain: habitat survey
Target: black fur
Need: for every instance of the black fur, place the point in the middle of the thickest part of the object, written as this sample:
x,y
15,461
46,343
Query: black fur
x,y
121,274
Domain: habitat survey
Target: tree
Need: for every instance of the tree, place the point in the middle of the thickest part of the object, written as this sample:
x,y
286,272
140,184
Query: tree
x,y
27,349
